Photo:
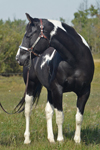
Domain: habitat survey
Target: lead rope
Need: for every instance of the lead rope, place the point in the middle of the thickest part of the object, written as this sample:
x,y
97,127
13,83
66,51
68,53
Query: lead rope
x,y
29,66
18,104
17,111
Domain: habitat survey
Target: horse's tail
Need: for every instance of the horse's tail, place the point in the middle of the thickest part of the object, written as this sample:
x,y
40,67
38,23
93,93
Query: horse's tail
x,y
20,107
37,94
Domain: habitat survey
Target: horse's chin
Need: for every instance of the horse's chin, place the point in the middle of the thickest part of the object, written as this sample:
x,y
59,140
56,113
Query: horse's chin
x,y
25,63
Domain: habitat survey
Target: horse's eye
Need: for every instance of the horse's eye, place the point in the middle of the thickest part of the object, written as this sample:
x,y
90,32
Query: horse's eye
x,y
28,35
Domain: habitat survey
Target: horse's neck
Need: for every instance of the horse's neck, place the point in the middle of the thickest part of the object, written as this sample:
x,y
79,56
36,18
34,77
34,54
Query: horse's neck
x,y
70,48
66,46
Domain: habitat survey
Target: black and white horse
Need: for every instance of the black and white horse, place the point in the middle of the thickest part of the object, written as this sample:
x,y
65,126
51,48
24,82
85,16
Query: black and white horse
x,y
71,68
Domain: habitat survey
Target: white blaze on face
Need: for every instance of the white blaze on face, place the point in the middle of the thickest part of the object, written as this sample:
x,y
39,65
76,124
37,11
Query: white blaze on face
x,y
18,52
56,25
17,56
84,41
47,58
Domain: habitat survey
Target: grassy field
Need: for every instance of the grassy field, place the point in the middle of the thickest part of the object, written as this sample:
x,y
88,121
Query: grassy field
x,y
12,126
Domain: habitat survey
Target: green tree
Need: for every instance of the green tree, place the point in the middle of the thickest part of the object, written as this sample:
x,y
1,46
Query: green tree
x,y
11,34
62,19
87,23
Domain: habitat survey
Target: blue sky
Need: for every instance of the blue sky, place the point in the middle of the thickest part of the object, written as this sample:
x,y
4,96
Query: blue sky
x,y
53,9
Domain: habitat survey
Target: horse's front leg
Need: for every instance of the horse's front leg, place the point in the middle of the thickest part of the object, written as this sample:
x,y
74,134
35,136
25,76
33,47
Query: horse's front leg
x,y
59,122
28,108
79,119
82,99
49,109
57,100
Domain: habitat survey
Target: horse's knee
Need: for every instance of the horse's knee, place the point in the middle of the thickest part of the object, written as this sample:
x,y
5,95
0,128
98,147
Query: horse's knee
x,y
59,116
49,109
28,104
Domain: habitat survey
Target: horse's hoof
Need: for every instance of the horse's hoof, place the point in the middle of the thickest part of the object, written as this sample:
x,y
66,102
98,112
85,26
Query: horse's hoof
x,y
51,140
27,141
60,140
77,140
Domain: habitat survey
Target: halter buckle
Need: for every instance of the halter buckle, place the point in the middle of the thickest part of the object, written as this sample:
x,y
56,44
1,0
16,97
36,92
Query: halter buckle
x,y
41,26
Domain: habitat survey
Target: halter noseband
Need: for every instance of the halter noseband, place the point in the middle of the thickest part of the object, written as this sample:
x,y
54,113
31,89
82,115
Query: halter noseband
x,y
41,35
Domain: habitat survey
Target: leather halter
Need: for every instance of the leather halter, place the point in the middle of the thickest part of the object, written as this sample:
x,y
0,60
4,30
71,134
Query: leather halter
x,y
40,36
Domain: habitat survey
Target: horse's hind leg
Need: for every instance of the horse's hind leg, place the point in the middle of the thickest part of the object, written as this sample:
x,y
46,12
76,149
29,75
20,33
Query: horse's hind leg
x,y
81,101
49,109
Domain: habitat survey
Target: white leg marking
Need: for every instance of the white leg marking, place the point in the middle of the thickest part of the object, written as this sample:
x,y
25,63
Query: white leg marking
x,y
49,109
79,118
47,58
28,108
18,52
59,121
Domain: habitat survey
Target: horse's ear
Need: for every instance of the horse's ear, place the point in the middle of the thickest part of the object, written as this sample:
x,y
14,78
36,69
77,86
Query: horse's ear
x,y
30,19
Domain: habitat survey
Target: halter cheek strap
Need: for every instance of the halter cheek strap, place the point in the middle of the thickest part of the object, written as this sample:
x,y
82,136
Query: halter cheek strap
x,y
41,35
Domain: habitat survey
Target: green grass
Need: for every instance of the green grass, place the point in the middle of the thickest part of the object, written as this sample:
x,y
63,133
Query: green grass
x,y
96,55
12,127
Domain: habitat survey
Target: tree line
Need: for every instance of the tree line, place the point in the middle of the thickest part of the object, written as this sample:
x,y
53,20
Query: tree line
x,y
86,22
11,34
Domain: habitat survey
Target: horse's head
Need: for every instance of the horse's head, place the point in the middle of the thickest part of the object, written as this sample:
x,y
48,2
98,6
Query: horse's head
x,y
36,40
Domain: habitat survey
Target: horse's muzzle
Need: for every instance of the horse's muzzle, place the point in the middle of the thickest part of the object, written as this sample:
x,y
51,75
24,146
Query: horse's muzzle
x,y
17,59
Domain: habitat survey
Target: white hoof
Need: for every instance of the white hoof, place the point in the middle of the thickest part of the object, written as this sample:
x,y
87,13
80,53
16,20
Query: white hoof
x,y
27,138
27,141
77,139
60,139
51,140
